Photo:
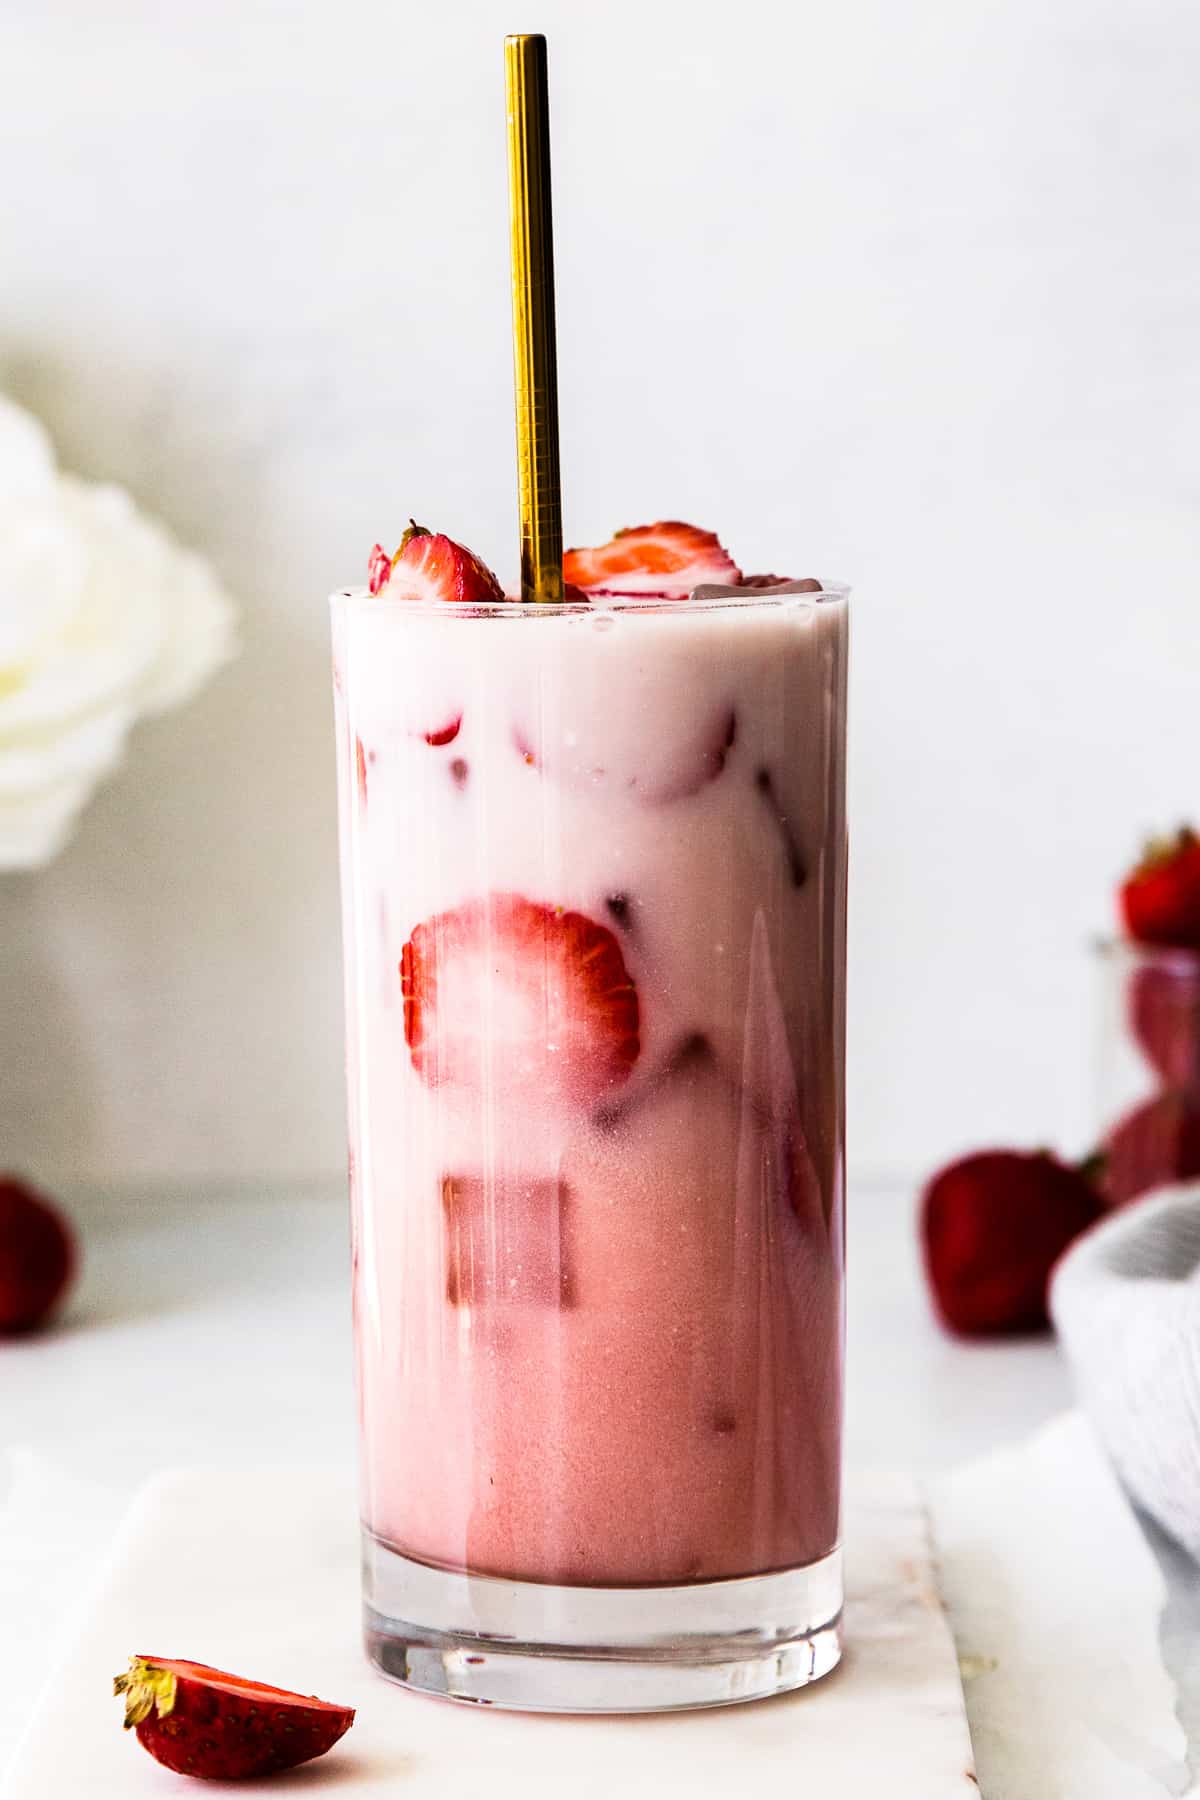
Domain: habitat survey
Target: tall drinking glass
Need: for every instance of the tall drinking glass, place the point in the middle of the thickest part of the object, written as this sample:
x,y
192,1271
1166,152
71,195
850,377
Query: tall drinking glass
x,y
593,876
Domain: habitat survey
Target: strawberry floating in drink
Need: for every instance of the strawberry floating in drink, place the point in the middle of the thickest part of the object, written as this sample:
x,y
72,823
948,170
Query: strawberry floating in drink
x,y
220,1727
507,990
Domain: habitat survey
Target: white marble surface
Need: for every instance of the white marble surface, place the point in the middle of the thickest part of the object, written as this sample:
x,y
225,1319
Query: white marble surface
x,y
223,1560
215,1330
901,293
1056,1600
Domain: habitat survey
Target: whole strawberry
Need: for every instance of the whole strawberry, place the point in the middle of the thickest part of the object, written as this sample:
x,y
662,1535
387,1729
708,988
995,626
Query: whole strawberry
x,y
993,1226
37,1256
203,1722
1160,900
1157,1143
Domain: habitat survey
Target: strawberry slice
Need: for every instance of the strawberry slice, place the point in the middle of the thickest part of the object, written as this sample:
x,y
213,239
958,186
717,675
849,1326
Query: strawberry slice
x,y
430,566
1160,900
379,569
668,560
504,993
444,734
201,1721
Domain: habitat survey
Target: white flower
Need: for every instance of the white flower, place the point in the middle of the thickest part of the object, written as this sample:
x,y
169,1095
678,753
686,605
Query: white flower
x,y
103,617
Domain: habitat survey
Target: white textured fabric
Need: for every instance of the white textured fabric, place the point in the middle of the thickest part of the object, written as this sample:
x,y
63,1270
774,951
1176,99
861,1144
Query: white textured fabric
x,y
1126,1301
1055,1599
259,1573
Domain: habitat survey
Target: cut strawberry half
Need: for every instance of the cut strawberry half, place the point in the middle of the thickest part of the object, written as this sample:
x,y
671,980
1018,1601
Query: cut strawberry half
x,y
505,993
666,560
430,566
1160,900
203,1722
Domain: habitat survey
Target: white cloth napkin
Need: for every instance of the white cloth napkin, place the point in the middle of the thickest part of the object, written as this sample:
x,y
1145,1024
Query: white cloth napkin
x,y
1055,1599
1126,1301
259,1573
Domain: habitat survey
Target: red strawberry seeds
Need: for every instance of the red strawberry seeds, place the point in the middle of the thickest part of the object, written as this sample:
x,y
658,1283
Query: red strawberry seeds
x,y
1160,900
507,991
203,1722
993,1226
667,560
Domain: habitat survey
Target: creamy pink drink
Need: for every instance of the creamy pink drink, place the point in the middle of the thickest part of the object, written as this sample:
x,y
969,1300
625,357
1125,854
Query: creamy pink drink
x,y
593,866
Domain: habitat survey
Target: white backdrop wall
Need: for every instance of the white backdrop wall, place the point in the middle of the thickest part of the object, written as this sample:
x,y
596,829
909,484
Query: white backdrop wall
x,y
902,293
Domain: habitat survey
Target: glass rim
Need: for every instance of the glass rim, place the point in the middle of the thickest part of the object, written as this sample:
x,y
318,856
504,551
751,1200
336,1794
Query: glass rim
x,y
699,601
1114,946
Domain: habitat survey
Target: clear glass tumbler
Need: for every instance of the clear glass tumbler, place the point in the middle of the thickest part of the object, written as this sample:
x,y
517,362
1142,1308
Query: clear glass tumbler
x,y
1149,1074
594,871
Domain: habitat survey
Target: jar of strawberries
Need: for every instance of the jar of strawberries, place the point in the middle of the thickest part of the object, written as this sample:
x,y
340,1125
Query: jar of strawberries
x,y
1150,1042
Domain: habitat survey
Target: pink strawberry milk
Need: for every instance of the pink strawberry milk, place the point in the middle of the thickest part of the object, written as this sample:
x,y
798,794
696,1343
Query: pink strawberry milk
x,y
593,877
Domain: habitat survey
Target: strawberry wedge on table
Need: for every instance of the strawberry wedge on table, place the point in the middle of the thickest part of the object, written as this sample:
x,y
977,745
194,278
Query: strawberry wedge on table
x,y
219,1727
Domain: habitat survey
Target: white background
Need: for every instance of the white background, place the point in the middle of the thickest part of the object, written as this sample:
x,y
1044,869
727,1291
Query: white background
x,y
903,293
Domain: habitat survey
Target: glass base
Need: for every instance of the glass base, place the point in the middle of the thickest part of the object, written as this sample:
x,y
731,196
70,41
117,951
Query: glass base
x,y
533,1647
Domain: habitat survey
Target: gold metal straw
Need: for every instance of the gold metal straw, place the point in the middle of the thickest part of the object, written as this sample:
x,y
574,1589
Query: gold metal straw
x,y
534,366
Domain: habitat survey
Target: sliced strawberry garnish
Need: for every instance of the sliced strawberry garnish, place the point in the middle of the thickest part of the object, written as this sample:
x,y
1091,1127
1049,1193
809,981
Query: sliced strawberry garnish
x,y
668,559
1161,899
503,993
379,569
430,566
204,1722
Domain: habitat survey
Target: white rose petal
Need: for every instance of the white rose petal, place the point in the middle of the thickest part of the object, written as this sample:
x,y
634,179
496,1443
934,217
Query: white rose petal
x,y
28,465
103,617
42,562
34,829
